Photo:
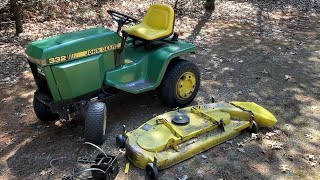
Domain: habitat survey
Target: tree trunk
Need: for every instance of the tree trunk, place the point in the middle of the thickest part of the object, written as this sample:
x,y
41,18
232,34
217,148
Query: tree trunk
x,y
209,5
175,5
15,11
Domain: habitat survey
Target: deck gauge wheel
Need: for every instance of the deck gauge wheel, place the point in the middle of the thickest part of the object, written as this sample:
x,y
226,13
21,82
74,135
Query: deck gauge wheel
x,y
121,141
254,127
152,171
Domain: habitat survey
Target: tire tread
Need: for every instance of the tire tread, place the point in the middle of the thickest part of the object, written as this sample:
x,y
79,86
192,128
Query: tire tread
x,y
166,90
94,121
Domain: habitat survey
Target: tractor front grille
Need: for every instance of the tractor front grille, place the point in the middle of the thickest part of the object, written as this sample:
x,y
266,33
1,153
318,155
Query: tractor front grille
x,y
42,84
40,80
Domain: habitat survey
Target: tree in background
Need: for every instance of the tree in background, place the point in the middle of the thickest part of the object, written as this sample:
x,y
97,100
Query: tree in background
x,y
15,12
209,5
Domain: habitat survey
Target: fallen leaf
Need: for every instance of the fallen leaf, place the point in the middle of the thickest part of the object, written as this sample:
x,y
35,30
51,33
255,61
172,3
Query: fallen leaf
x,y
264,71
313,164
254,136
42,173
5,79
284,168
58,123
230,142
310,157
122,151
20,115
287,77
184,177
288,127
241,150
204,156
309,136
276,146
270,134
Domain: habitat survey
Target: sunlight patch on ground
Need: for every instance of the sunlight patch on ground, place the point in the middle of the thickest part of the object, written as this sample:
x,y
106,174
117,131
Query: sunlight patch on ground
x,y
15,149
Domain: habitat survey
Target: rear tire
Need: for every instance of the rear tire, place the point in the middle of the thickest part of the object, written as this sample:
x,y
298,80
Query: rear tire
x,y
43,112
95,122
180,84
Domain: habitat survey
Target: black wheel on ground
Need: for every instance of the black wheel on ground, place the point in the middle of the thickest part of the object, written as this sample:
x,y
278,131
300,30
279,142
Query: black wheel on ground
x,y
180,83
96,122
254,127
43,112
152,171
121,141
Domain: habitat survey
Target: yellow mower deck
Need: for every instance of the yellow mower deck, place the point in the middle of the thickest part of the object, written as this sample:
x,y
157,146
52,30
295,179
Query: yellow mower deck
x,y
209,125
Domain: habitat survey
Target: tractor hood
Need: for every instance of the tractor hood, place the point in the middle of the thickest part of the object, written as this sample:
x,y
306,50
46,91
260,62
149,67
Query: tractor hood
x,y
74,45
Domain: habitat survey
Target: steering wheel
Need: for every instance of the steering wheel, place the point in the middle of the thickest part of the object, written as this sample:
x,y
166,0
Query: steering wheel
x,y
120,18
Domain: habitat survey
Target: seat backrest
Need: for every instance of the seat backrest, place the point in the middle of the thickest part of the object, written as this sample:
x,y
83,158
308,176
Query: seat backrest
x,y
160,16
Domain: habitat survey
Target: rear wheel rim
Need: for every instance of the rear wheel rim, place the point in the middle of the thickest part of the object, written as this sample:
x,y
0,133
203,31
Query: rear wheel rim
x,y
186,85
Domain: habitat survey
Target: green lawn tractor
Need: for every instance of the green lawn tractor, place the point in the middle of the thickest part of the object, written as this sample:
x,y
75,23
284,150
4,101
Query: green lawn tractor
x,y
75,72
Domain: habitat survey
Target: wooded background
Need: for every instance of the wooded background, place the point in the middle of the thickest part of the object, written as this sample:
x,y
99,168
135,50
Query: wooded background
x,y
16,12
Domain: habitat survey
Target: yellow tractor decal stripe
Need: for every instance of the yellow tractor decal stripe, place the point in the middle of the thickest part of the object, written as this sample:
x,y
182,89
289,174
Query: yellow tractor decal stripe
x,y
82,54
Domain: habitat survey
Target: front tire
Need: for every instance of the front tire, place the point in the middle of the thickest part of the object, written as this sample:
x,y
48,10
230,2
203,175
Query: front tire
x,y
180,84
43,112
96,122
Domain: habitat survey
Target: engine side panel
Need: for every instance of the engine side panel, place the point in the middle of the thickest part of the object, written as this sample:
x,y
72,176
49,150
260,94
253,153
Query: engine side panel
x,y
82,76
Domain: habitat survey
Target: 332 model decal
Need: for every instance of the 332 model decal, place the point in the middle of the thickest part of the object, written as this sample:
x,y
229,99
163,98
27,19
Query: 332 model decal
x,y
83,53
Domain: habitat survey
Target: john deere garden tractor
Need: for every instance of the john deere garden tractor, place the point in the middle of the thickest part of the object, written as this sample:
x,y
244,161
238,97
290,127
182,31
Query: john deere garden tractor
x,y
75,72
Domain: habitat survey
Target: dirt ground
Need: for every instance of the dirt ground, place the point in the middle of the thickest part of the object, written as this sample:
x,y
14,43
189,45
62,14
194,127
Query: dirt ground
x,y
266,52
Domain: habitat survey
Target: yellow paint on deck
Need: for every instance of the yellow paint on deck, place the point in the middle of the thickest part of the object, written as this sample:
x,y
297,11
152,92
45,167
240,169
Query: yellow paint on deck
x,y
261,115
165,133
173,143
155,140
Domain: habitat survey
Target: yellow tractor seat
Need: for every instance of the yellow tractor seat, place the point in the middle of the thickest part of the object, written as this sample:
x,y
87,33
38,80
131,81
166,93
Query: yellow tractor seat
x,y
158,23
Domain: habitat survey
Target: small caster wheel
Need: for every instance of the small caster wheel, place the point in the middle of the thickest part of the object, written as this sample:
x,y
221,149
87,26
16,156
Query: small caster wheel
x,y
254,127
121,141
96,123
152,171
